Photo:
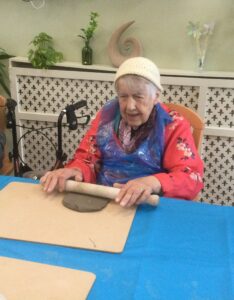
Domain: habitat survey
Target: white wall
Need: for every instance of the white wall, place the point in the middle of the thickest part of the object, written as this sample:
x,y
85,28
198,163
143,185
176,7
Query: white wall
x,y
160,25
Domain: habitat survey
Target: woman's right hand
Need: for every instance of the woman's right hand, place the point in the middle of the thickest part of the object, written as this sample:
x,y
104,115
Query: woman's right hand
x,y
56,179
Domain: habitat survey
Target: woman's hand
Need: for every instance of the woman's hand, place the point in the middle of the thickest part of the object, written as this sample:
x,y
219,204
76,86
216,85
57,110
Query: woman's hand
x,y
136,191
56,179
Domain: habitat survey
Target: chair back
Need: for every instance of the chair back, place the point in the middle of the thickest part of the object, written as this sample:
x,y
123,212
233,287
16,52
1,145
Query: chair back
x,y
196,122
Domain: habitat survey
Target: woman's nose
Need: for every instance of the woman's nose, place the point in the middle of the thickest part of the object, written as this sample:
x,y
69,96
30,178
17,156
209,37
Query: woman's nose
x,y
131,104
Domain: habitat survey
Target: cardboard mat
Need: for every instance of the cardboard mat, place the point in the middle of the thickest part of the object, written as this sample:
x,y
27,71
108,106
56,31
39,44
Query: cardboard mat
x,y
23,280
28,213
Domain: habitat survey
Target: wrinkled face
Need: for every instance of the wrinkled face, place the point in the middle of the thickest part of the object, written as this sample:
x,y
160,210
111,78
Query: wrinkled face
x,y
137,98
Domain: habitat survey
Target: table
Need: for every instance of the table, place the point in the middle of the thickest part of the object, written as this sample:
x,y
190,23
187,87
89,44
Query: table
x,y
180,250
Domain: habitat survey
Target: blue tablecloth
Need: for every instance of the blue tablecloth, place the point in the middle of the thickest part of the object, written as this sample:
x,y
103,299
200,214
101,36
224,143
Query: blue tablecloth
x,y
180,250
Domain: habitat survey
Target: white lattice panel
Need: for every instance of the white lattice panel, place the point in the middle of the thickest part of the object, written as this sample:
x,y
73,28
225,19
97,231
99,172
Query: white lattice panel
x,y
185,95
220,107
39,143
51,95
218,156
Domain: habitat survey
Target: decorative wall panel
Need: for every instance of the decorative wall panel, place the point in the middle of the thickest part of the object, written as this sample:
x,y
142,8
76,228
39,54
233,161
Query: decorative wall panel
x,y
218,156
39,143
220,107
51,95
185,95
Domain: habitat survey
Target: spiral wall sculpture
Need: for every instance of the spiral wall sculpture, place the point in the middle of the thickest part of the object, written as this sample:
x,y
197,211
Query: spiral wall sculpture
x,y
118,50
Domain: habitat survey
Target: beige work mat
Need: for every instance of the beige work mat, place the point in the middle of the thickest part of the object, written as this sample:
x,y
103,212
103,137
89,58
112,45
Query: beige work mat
x,y
23,280
28,213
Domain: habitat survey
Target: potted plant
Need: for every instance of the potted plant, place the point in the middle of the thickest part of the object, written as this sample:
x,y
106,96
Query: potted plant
x,y
3,73
43,55
87,34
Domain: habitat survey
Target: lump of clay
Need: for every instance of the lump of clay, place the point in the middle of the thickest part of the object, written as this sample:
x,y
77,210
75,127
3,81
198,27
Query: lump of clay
x,y
84,203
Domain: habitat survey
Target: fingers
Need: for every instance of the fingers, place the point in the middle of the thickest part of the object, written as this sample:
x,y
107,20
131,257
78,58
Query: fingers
x,y
145,195
133,194
52,180
56,179
136,191
130,197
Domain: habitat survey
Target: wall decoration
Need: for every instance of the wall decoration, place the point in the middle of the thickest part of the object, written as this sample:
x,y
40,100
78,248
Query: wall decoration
x,y
201,35
37,4
119,51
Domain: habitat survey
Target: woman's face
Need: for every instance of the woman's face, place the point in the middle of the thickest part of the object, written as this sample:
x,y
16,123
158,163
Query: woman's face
x,y
137,98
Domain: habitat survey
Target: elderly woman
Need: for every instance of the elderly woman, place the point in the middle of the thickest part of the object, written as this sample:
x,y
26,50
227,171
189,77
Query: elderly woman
x,y
136,143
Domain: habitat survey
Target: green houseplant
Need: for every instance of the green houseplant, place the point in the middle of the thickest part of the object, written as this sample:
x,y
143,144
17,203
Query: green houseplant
x,y
87,34
43,55
3,73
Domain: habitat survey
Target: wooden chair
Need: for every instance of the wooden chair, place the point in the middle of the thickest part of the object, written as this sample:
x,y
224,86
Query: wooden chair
x,y
7,164
197,124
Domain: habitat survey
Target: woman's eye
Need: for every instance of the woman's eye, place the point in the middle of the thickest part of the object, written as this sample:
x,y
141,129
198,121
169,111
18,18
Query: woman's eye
x,y
139,97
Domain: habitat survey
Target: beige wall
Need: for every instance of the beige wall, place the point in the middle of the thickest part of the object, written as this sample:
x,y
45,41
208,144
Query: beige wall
x,y
160,25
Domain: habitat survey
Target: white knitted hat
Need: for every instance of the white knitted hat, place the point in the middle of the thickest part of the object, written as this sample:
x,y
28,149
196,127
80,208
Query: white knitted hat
x,y
140,66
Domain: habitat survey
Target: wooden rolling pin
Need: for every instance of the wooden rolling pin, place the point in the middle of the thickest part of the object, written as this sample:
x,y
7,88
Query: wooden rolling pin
x,y
101,191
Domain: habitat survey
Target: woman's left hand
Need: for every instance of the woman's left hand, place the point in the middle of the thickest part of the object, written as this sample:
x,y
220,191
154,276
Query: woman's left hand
x,y
136,191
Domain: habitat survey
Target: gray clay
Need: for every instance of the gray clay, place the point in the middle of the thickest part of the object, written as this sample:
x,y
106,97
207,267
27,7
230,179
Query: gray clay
x,y
84,203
